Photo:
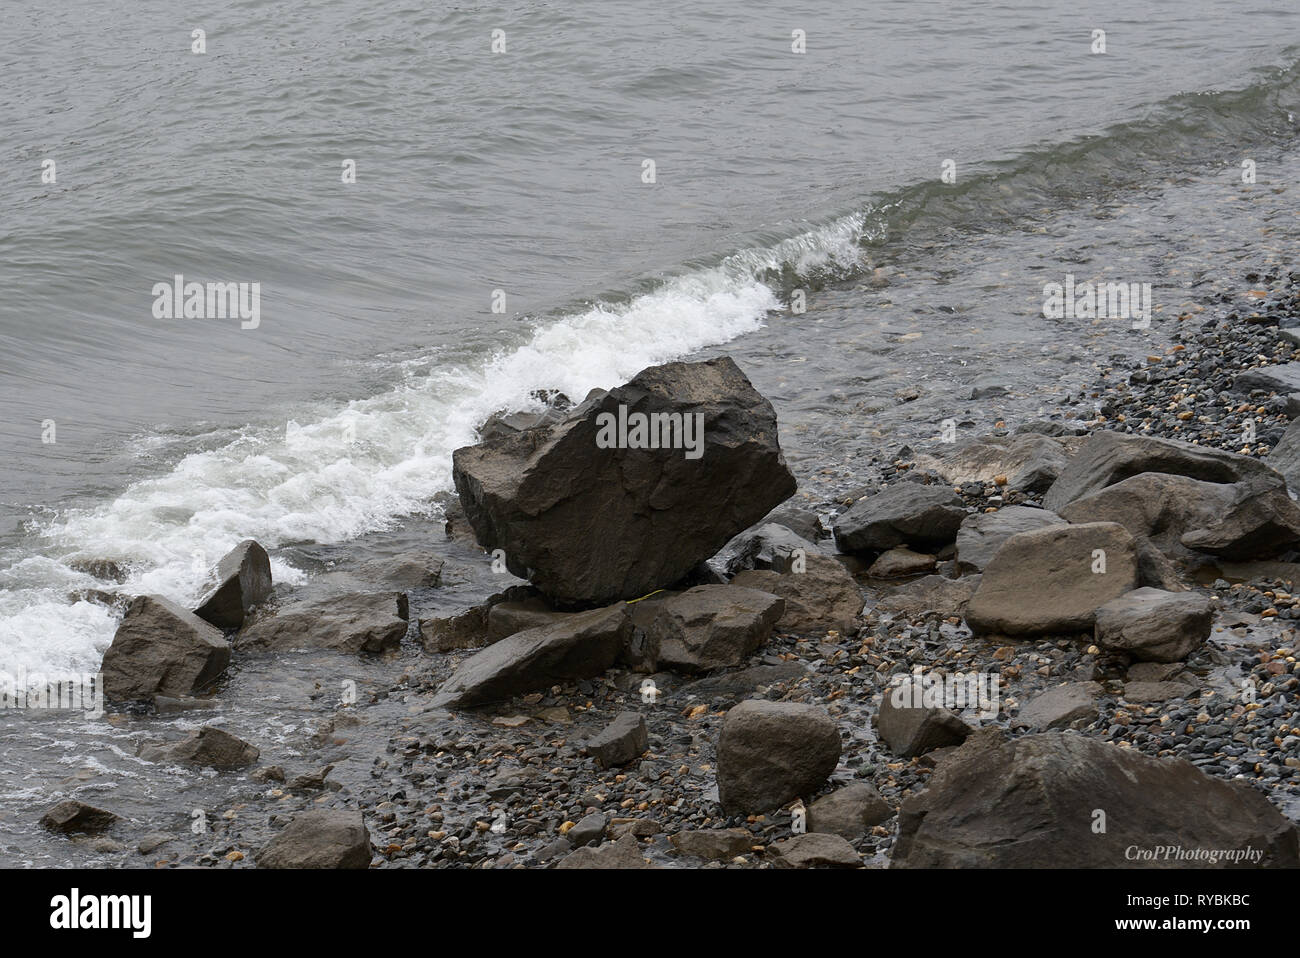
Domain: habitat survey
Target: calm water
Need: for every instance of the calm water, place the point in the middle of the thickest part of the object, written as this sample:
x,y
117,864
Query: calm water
x,y
378,350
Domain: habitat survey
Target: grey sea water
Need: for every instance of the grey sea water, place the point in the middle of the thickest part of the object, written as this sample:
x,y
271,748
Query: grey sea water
x,y
516,174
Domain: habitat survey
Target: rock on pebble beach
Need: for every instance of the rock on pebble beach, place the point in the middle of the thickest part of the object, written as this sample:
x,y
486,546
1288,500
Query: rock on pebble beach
x,y
772,752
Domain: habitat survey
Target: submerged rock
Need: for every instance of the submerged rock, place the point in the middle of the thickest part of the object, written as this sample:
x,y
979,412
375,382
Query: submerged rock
x,y
354,623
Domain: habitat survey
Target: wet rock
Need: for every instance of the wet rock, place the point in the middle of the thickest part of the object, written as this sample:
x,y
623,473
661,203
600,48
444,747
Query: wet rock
x,y
321,838
1154,625
766,546
464,630
1043,581
741,684
1281,379
849,812
1029,462
410,570
1262,521
153,841
207,747
1155,505
161,648
814,850
910,725
982,534
714,844
507,618
1108,457
902,514
624,853
1285,456
354,623
772,752
72,816
591,525
900,561
591,828
622,741
243,581
934,593
1058,707
1029,802
579,647
821,597
713,626
1155,569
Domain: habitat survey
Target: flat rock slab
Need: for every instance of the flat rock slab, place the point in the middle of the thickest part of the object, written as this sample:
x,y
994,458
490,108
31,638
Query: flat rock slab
x,y
579,647
354,623
590,523
1153,625
1053,580
1030,802
713,626
772,752
933,593
1109,457
814,850
714,844
1058,707
1027,461
162,649
906,513
820,595
982,533
322,838
1148,693
1282,379
901,561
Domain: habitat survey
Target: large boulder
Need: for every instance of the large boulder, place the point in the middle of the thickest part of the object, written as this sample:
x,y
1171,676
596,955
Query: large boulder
x,y
713,626
162,649
1237,520
1036,802
982,533
589,524
322,838
819,596
1153,625
243,581
579,647
906,513
1110,457
1262,521
1053,579
1029,462
772,752
355,623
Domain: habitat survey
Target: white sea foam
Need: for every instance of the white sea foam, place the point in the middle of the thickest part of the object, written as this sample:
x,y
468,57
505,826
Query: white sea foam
x,y
371,461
